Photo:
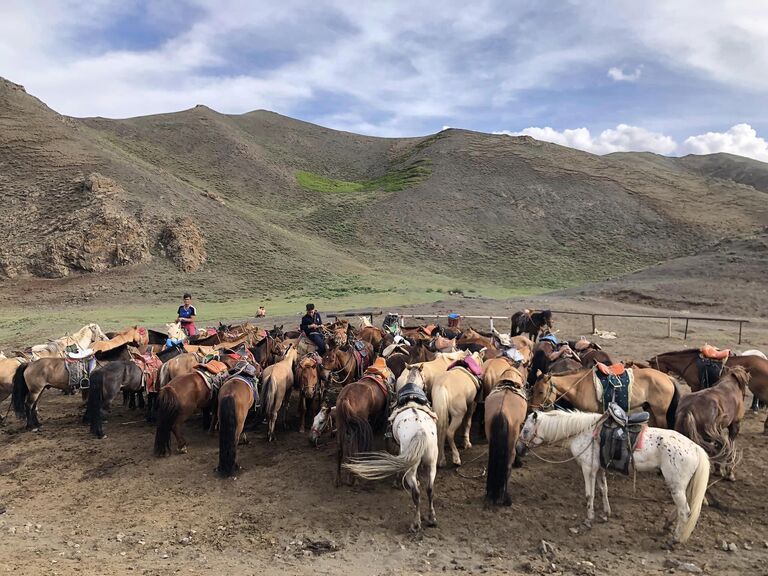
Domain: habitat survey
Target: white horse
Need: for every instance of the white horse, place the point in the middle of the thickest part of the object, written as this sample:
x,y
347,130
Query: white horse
x,y
683,463
83,339
415,430
323,423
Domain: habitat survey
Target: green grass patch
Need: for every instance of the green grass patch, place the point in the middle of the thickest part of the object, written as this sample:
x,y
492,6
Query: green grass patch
x,y
392,181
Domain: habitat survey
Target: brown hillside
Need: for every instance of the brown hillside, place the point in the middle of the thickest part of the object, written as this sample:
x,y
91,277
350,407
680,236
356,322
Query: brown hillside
x,y
263,204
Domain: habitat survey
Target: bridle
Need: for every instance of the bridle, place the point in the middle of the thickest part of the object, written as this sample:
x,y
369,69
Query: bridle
x,y
345,368
547,404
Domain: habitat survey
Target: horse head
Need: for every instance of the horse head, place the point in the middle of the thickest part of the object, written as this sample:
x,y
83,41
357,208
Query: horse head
x,y
543,392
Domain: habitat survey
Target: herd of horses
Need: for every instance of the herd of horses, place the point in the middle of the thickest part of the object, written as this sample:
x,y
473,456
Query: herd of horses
x,y
419,386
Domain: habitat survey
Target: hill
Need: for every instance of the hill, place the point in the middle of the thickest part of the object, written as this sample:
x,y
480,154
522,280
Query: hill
x,y
259,204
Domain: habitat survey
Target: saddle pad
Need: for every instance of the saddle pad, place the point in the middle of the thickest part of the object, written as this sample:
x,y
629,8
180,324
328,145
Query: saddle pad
x,y
412,406
469,364
708,351
610,388
252,384
214,366
615,369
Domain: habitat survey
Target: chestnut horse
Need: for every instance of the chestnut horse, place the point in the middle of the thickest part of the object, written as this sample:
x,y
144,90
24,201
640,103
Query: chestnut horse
x,y
505,411
307,381
705,415
683,363
341,366
177,401
650,387
235,398
357,405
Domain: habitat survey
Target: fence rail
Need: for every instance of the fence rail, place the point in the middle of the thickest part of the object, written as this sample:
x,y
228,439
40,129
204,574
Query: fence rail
x,y
594,315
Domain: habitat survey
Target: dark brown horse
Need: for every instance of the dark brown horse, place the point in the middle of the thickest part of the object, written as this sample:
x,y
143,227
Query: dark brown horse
x,y
267,351
590,353
712,417
105,383
530,322
342,366
357,405
683,363
236,397
177,401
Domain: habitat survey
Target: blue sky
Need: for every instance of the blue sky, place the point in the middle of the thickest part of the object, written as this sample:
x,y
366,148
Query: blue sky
x,y
671,76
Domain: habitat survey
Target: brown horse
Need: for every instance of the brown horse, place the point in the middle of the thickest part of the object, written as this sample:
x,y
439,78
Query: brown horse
x,y
590,353
341,366
650,388
470,336
235,398
307,381
177,401
357,405
374,336
501,369
276,390
683,363
530,322
267,351
704,417
30,380
505,411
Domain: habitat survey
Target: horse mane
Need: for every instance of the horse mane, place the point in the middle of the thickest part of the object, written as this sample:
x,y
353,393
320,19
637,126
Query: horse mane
x,y
569,372
740,374
558,425
676,352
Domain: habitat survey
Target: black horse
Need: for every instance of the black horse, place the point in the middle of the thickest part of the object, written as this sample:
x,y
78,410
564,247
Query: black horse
x,y
105,383
530,323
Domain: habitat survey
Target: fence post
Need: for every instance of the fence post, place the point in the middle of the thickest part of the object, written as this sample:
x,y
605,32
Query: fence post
x,y
669,327
594,326
741,325
490,320
685,335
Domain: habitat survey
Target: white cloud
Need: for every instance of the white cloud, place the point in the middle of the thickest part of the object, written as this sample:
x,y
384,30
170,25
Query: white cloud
x,y
620,139
619,75
740,139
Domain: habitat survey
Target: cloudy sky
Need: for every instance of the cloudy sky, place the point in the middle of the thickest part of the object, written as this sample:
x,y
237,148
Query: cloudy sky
x,y
669,76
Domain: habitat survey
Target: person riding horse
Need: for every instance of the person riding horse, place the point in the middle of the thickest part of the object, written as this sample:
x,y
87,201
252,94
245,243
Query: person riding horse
x,y
310,325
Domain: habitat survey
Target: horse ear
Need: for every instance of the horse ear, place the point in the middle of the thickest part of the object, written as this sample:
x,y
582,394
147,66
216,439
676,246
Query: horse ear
x,y
535,415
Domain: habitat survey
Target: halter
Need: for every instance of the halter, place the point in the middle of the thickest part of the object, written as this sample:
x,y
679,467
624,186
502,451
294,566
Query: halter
x,y
319,431
345,367
553,388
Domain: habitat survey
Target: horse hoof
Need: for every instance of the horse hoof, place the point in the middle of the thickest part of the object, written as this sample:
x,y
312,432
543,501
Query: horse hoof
x,y
183,450
415,527
604,518
731,477
467,445
507,501
101,436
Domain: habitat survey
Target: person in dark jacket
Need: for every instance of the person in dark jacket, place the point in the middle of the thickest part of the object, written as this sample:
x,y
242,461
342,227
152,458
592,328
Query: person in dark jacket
x,y
310,325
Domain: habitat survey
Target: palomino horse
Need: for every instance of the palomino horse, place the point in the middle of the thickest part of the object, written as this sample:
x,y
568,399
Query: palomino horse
x,y
500,369
430,369
177,401
357,405
683,464
82,339
531,323
454,395
106,383
134,335
277,382
30,380
649,388
8,367
505,410
414,430
235,398
704,417
307,381
683,363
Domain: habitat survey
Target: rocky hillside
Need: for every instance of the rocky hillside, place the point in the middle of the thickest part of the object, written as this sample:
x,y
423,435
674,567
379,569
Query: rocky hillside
x,y
263,204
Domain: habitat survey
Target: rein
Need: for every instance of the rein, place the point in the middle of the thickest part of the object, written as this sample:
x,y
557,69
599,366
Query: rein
x,y
344,367
595,429
553,388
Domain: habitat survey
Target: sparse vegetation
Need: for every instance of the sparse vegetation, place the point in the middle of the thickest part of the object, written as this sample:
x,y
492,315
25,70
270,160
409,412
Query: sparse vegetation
x,y
393,181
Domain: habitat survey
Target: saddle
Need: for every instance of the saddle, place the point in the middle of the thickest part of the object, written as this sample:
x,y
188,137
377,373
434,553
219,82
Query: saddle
x,y
79,367
613,369
212,367
620,435
613,384
247,373
469,364
412,393
150,365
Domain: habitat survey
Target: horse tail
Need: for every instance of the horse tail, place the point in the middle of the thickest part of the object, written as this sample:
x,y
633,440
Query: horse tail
x,y
95,398
358,435
379,465
168,410
20,392
227,439
440,403
266,397
672,408
697,488
498,459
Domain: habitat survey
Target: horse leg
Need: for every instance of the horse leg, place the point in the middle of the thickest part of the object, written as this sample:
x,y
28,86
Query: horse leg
x,y
453,426
339,455
432,518
468,424
683,511
412,481
590,475
126,397
181,441
765,426
140,398
33,421
755,404
602,477
733,431
302,411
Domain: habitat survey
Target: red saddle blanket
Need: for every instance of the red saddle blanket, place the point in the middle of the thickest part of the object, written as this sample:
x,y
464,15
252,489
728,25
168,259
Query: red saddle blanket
x,y
150,365
708,351
614,369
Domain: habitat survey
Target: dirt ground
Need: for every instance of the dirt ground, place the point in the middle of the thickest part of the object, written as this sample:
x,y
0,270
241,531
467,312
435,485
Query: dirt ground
x,y
71,504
